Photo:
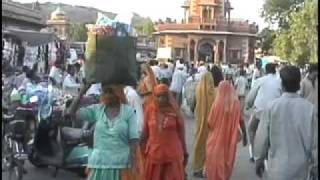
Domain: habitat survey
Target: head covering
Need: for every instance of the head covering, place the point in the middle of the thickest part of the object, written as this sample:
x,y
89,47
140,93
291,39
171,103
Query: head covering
x,y
161,89
149,81
149,74
226,96
117,90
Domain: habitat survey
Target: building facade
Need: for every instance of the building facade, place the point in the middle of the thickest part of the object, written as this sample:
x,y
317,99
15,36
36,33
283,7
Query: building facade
x,y
208,33
16,16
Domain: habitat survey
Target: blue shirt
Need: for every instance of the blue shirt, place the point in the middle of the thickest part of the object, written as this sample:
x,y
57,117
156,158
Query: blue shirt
x,y
111,138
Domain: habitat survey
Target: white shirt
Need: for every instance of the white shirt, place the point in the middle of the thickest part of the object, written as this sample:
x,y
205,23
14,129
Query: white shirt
x,y
170,67
135,101
56,74
241,83
256,75
157,71
70,85
95,89
178,79
202,69
288,136
267,88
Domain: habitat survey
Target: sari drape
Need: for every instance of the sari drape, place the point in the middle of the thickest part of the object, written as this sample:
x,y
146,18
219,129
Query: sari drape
x,y
204,98
165,145
147,84
224,122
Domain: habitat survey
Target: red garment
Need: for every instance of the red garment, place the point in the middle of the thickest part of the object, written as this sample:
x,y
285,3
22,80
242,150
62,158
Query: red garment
x,y
164,130
224,121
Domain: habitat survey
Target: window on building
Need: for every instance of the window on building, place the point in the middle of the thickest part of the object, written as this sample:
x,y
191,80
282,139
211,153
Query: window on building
x,y
235,54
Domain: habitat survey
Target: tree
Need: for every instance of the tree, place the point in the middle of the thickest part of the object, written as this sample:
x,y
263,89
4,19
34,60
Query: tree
x,y
78,32
282,45
267,36
278,11
148,27
145,28
299,43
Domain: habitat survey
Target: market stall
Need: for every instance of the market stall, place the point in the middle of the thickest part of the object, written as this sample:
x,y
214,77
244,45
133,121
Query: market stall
x,y
28,48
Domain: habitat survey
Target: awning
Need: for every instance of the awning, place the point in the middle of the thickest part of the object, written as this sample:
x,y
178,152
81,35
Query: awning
x,y
34,38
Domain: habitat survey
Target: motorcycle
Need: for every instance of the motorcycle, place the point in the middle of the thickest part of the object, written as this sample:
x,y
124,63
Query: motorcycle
x,y
58,145
14,144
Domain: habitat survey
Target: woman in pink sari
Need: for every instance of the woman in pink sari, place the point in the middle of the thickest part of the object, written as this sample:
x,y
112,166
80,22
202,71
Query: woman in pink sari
x,y
224,124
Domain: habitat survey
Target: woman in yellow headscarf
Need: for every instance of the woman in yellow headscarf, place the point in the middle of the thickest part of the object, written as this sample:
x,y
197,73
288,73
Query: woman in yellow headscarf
x,y
205,93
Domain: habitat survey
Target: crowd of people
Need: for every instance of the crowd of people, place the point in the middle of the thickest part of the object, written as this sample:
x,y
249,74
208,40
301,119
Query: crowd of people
x,y
140,130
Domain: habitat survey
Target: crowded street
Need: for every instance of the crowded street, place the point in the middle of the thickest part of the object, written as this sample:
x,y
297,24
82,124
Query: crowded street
x,y
243,168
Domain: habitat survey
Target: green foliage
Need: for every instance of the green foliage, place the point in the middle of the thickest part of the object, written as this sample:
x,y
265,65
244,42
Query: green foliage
x,y
282,45
299,43
145,27
78,32
267,36
277,11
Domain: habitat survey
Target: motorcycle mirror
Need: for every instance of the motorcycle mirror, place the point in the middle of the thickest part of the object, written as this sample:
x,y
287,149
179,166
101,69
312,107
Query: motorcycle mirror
x,y
34,99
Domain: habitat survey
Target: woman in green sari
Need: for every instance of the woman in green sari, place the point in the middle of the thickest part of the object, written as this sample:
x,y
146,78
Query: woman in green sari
x,y
115,136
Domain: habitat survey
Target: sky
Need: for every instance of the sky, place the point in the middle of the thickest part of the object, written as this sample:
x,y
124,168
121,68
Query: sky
x,y
160,9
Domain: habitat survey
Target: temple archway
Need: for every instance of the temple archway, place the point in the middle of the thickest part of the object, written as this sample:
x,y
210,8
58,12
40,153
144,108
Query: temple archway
x,y
206,50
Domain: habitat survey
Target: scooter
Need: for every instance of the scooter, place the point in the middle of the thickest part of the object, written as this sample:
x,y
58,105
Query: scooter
x,y
60,146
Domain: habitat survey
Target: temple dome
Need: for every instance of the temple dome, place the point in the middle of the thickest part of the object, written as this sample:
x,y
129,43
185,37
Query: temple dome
x,y
58,14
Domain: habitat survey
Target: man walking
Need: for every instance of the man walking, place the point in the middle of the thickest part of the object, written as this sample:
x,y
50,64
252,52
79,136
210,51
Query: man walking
x,y
288,134
178,79
266,89
309,85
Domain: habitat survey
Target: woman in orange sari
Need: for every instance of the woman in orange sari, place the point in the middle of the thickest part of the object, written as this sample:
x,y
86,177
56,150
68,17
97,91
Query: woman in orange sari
x,y
164,136
224,122
147,84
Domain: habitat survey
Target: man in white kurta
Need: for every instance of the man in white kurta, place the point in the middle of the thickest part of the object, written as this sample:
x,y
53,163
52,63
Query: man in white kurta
x,y
178,79
135,101
266,89
288,134
69,85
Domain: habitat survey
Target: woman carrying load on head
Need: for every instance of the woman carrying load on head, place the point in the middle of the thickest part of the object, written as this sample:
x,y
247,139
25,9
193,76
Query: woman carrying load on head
x,y
115,135
164,137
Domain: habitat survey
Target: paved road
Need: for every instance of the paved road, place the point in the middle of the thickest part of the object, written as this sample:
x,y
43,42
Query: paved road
x,y
243,169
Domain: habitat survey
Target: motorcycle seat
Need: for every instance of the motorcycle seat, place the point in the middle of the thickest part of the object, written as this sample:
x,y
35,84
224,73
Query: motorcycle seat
x,y
71,134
